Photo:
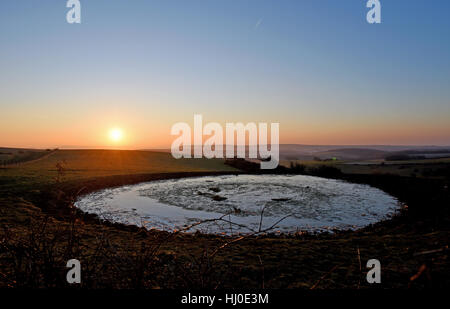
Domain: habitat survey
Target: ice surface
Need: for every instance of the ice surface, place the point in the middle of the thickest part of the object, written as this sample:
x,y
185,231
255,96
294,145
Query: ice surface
x,y
312,203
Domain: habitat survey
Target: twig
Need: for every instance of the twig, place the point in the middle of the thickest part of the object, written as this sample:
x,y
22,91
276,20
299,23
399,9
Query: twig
x,y
431,251
323,277
360,267
262,265
261,218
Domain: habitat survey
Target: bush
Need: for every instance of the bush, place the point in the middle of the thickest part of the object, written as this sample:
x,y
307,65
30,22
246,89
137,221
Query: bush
x,y
325,171
297,168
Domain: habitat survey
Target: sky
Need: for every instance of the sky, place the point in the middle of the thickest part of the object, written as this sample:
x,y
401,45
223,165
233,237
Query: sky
x,y
316,67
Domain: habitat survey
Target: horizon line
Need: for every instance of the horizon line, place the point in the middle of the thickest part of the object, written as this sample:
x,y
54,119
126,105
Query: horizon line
x,y
78,147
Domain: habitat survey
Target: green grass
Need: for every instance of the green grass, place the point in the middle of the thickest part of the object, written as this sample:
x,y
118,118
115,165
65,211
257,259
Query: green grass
x,y
425,168
9,156
421,161
310,163
82,164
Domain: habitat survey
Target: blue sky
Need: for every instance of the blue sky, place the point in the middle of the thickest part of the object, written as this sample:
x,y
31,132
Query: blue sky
x,y
315,66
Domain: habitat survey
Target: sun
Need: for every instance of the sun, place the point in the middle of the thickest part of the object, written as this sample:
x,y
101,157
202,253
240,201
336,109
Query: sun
x,y
116,134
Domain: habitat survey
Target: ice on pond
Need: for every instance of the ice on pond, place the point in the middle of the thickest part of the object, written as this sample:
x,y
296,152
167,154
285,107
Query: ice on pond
x,y
304,203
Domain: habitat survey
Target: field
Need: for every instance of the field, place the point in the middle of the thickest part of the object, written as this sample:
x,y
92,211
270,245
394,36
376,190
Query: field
x,y
15,156
78,164
28,179
426,168
41,231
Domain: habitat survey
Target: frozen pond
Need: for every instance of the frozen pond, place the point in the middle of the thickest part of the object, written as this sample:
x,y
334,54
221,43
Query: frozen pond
x,y
311,204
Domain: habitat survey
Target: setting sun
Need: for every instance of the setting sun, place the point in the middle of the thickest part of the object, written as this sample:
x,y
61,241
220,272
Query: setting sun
x,y
115,134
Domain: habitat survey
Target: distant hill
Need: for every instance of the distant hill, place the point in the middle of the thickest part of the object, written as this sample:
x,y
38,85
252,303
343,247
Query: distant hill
x,y
418,154
352,154
348,152
292,152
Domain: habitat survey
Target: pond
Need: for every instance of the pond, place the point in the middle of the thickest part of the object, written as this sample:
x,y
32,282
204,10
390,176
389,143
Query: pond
x,y
242,204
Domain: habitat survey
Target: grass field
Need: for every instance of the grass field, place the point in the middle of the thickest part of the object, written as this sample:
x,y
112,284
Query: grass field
x,y
426,168
40,231
11,156
85,164
93,163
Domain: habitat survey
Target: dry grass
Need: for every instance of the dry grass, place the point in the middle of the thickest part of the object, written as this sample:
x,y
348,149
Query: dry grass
x,y
117,256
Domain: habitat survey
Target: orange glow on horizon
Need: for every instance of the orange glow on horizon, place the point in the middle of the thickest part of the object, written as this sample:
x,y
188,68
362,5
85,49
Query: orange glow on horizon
x,y
131,130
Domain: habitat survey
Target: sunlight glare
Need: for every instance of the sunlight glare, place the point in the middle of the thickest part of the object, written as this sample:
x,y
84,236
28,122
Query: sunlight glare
x,y
115,134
